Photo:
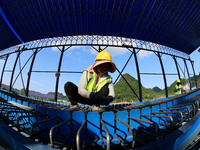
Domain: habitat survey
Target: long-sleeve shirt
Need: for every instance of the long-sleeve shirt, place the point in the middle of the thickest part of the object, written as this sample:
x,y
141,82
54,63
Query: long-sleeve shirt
x,y
83,82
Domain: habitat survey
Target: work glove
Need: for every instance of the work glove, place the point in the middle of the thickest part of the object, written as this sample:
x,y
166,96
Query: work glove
x,y
95,96
107,100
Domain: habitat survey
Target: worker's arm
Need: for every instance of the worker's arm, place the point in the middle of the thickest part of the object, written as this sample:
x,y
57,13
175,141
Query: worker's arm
x,y
81,86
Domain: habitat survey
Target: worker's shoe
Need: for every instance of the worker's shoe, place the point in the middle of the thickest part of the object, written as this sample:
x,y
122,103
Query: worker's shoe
x,y
74,108
98,109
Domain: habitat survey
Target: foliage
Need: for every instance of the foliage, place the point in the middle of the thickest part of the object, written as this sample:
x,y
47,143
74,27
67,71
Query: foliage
x,y
124,93
156,89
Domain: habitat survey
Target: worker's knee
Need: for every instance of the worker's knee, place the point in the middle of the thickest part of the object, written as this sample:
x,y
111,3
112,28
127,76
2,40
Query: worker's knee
x,y
67,85
70,87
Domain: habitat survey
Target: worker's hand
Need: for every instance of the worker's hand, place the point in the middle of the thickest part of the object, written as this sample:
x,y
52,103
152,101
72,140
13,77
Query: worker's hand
x,y
93,96
107,100
96,96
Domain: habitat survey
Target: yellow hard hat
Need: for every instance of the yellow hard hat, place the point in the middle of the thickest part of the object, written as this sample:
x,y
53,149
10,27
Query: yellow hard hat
x,y
103,55
178,81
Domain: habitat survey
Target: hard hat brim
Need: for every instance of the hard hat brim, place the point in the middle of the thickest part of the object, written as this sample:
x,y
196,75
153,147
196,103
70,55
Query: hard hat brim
x,y
113,66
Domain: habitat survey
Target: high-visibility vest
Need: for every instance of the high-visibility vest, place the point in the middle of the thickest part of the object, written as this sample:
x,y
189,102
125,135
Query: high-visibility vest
x,y
91,82
178,89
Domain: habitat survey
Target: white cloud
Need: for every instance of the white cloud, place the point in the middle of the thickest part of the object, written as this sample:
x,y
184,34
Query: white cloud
x,y
144,53
77,50
54,49
1,62
115,51
69,51
90,50
37,83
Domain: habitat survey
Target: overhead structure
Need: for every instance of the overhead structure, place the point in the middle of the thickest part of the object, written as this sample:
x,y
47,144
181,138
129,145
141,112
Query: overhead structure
x,y
174,24
164,27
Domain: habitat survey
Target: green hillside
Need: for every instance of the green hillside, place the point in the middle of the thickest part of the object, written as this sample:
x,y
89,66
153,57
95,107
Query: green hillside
x,y
171,88
124,92
156,89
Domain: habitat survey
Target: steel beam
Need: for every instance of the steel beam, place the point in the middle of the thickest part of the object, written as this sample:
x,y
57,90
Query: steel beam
x,y
176,63
192,63
30,71
187,72
13,71
3,69
58,73
138,74
164,76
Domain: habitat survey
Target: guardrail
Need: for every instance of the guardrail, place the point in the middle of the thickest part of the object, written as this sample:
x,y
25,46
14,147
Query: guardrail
x,y
126,126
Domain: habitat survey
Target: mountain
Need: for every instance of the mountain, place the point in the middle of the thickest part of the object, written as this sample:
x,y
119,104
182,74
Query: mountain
x,y
171,89
7,87
60,95
31,93
124,92
197,77
38,94
156,89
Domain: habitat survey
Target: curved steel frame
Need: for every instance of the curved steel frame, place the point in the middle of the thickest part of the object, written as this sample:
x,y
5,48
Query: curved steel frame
x,y
120,42
95,41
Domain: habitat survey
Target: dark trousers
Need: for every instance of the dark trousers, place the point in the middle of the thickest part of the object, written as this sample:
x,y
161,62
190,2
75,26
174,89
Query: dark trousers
x,y
71,91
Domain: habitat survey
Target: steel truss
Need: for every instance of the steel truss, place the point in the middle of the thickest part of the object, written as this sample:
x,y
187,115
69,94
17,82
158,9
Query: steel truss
x,y
95,41
65,43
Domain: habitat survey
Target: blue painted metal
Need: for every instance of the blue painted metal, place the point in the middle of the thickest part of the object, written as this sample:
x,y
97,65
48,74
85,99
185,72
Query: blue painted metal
x,y
121,129
190,132
136,114
42,110
8,34
52,113
9,25
146,111
91,133
64,116
109,120
11,139
93,127
179,139
177,21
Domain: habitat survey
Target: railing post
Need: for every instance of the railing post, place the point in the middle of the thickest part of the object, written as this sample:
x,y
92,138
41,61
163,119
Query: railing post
x,y
13,71
3,69
179,76
138,74
29,73
192,63
187,72
163,71
58,73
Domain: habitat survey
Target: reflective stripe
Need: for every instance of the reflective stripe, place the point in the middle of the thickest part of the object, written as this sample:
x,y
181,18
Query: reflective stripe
x,y
91,82
90,75
178,89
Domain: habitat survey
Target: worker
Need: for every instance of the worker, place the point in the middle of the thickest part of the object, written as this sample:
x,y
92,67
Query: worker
x,y
178,86
95,86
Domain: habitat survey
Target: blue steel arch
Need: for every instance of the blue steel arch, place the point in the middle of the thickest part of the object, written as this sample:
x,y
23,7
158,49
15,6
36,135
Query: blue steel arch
x,y
171,23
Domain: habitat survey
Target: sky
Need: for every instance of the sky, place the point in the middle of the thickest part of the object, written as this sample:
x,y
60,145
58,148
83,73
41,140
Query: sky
x,y
77,59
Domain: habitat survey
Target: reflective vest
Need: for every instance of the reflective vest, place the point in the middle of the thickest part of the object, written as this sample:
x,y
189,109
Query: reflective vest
x,y
178,89
92,79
